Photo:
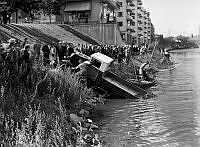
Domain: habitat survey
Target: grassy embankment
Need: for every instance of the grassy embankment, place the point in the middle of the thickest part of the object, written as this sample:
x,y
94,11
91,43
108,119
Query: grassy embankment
x,y
38,32
35,109
36,112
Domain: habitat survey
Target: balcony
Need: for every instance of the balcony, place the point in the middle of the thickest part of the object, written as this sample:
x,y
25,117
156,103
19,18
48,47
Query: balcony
x,y
134,33
140,28
140,17
132,4
139,22
128,17
129,8
133,23
132,13
131,28
140,34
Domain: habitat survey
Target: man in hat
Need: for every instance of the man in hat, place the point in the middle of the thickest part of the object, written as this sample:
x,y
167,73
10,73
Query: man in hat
x,y
7,46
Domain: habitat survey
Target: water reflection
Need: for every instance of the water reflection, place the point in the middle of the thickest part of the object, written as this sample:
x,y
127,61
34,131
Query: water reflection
x,y
172,118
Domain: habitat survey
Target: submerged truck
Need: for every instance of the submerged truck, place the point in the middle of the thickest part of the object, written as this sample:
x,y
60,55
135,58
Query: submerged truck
x,y
98,72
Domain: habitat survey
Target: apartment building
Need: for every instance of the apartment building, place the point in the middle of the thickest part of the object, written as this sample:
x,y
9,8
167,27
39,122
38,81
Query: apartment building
x,y
90,11
97,18
134,22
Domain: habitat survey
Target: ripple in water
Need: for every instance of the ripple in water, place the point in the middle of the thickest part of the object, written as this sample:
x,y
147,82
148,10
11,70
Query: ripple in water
x,y
170,119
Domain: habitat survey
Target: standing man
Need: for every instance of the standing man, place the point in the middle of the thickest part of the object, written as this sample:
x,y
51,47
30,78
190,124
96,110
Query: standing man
x,y
54,54
24,42
61,51
25,64
142,74
70,50
46,52
37,47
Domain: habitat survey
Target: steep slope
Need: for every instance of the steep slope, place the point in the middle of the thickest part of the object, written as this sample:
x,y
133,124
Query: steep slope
x,y
45,33
4,36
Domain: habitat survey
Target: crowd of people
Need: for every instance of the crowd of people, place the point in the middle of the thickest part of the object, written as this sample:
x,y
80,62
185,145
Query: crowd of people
x,y
57,52
62,50
21,55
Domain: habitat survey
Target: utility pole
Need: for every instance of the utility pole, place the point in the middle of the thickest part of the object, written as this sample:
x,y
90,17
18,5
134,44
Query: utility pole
x,y
137,41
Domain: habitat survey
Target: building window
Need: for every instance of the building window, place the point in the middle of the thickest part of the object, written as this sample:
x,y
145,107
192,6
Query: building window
x,y
120,4
123,36
119,14
120,24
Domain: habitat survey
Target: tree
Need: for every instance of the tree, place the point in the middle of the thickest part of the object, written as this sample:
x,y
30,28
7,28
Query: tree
x,y
11,6
29,6
8,7
50,7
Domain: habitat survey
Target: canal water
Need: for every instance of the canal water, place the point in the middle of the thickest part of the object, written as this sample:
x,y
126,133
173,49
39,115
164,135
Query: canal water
x,y
171,118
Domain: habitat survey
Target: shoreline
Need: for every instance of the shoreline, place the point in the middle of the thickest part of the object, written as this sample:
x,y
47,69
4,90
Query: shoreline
x,y
181,49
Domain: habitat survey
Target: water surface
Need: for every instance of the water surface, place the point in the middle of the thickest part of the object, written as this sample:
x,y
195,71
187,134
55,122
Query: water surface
x,y
170,119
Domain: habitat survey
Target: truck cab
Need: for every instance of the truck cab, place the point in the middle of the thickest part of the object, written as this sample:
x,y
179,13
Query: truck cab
x,y
100,63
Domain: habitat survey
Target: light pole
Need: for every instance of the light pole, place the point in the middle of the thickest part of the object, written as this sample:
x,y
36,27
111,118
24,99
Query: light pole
x,y
137,22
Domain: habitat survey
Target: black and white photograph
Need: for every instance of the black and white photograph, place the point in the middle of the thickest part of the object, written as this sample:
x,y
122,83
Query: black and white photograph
x,y
99,73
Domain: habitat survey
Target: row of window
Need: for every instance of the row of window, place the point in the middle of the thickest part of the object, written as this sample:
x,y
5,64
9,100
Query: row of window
x,y
120,23
120,14
120,4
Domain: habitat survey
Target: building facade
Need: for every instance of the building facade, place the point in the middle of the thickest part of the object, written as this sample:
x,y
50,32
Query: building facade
x,y
96,18
90,11
134,22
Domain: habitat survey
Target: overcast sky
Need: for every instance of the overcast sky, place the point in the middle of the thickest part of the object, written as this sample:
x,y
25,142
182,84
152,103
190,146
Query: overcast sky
x,y
174,17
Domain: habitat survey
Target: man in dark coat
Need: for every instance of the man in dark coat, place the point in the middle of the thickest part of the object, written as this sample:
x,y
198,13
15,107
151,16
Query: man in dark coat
x,y
61,51
46,52
70,50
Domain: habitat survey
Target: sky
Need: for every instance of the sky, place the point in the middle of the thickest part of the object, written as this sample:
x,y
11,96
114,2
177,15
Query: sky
x,y
174,17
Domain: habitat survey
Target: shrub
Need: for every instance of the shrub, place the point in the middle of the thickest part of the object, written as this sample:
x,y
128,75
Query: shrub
x,y
34,111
